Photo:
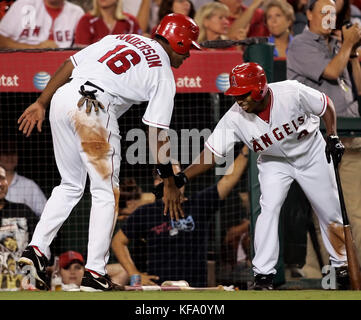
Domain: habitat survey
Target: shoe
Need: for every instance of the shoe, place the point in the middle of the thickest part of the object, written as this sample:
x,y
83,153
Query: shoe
x,y
263,282
93,281
37,263
342,278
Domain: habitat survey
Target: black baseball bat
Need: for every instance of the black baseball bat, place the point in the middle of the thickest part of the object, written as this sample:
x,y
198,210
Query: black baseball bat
x,y
352,261
222,44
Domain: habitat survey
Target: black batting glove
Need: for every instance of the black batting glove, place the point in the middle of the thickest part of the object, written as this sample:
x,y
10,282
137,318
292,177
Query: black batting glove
x,y
334,149
180,179
89,98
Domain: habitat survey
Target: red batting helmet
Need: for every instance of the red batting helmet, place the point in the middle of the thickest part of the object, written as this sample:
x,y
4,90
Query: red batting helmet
x,y
180,31
248,77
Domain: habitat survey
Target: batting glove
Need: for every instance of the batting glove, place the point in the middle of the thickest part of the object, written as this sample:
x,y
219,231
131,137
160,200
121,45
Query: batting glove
x,y
90,99
334,149
180,179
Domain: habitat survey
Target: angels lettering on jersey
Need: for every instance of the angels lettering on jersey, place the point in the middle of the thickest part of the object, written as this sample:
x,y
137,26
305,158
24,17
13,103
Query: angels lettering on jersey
x,y
279,133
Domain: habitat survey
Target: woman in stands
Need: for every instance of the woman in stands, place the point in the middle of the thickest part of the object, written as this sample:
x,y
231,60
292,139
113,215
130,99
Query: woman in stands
x,y
279,20
106,17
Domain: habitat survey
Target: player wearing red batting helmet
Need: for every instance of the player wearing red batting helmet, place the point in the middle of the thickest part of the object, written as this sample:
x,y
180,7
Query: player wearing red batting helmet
x,y
248,84
180,31
110,75
248,77
177,33
280,121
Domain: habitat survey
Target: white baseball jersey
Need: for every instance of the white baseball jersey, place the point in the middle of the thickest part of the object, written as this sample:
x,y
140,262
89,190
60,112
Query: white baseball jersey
x,y
290,148
127,69
294,120
28,21
133,69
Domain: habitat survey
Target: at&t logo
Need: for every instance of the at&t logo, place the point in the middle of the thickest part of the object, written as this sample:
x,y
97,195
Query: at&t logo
x,y
41,79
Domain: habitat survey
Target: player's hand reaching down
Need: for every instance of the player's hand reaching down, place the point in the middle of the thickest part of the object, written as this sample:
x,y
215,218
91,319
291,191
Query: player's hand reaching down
x,y
180,179
334,149
172,200
33,115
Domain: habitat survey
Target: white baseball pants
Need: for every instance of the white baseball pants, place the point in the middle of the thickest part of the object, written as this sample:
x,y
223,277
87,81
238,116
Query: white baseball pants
x,y
317,179
84,144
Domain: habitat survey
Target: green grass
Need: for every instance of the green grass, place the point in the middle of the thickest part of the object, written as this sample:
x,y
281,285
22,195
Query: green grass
x,y
210,295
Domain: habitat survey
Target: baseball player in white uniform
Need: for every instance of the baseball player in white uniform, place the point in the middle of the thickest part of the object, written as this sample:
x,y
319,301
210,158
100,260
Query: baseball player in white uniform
x,y
109,76
280,122
39,24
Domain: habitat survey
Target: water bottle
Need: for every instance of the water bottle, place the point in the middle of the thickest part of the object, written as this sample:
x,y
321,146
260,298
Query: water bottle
x,y
56,280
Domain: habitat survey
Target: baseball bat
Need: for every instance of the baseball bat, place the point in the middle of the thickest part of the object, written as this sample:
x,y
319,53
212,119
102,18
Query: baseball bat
x,y
352,261
222,44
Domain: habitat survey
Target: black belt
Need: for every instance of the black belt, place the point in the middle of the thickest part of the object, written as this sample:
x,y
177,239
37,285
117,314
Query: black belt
x,y
88,83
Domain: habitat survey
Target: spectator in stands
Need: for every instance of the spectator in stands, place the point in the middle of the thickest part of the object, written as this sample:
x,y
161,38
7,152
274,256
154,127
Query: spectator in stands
x,y
321,61
71,264
42,24
20,189
246,19
176,250
318,60
185,7
279,20
146,12
212,19
17,223
107,17
299,8
346,14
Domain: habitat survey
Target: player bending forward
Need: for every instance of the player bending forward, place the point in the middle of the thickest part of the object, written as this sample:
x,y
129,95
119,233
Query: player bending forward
x,y
280,121
110,76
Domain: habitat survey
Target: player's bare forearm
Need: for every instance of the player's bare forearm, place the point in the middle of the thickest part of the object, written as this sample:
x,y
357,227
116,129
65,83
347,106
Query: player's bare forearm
x,y
201,164
34,114
160,148
233,174
120,248
159,144
60,77
329,118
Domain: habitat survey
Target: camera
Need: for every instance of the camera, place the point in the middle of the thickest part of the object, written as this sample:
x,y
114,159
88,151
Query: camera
x,y
348,25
